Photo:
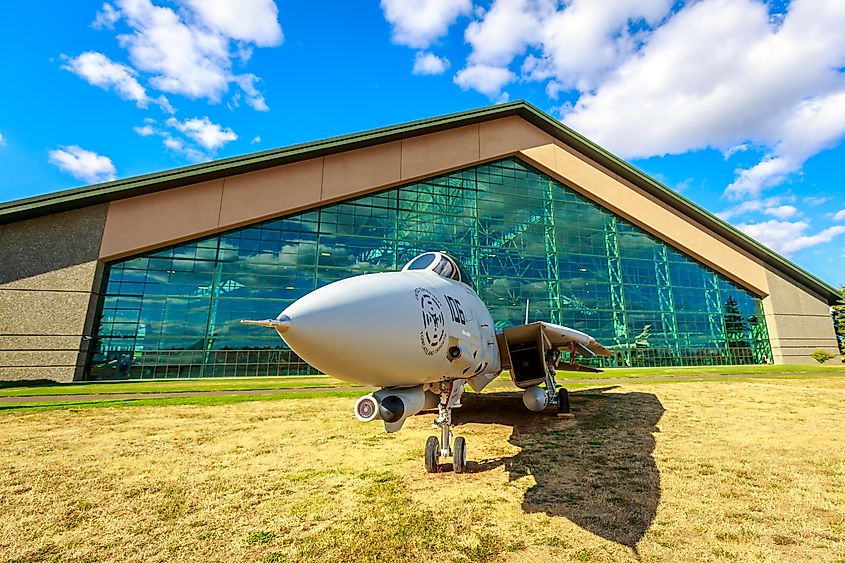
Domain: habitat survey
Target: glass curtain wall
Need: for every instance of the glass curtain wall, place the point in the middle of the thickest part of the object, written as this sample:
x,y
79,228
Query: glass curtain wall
x,y
524,237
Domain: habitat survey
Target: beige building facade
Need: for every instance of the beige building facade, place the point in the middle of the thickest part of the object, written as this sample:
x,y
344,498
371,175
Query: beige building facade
x,y
53,249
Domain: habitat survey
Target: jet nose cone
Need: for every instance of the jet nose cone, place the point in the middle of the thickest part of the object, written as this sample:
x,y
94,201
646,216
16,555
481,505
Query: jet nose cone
x,y
282,324
355,329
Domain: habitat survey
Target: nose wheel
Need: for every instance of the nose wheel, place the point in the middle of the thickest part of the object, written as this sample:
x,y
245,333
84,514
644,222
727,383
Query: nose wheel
x,y
445,447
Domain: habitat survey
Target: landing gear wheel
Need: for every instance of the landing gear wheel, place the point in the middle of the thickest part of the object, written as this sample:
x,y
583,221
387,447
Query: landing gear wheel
x,y
563,401
432,453
459,458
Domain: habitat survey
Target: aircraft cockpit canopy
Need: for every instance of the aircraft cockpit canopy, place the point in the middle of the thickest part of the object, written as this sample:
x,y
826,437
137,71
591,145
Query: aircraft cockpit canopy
x,y
441,264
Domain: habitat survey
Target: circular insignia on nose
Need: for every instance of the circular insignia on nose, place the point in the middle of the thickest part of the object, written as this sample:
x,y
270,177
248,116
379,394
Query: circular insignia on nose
x,y
433,333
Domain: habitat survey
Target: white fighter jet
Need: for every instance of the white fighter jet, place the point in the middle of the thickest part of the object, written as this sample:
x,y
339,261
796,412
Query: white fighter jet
x,y
420,335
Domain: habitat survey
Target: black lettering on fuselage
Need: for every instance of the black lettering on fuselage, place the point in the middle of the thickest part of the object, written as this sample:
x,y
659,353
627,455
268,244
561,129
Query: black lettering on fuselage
x,y
456,311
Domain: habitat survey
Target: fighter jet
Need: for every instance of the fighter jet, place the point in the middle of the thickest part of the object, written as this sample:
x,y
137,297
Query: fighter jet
x,y
421,335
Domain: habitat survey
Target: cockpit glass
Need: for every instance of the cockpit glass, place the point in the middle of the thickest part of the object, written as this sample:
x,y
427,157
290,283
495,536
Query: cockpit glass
x,y
441,264
421,262
446,268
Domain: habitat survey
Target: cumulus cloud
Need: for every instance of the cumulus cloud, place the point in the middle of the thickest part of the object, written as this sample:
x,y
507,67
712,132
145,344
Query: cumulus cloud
x,y
418,23
253,97
815,200
106,17
583,42
145,130
429,63
782,211
196,139
204,132
83,164
720,74
2,140
188,49
253,21
486,79
98,70
839,215
190,153
770,206
789,237
572,44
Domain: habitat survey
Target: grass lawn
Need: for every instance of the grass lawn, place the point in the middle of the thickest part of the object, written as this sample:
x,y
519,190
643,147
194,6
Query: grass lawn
x,y
680,471
25,389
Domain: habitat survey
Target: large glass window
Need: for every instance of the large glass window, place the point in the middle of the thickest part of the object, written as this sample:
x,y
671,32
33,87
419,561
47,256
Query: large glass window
x,y
522,236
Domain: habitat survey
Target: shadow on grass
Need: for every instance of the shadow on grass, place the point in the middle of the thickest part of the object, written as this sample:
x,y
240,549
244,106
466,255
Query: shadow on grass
x,y
597,470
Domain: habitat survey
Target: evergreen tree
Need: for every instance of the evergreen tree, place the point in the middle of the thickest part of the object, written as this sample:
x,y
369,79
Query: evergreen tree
x,y
736,331
839,320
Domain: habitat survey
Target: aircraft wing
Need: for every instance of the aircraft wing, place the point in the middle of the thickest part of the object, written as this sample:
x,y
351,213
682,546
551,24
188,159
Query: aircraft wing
x,y
563,337
524,350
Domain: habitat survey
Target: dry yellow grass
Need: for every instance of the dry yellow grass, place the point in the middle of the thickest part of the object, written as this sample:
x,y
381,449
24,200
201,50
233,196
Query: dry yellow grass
x,y
747,471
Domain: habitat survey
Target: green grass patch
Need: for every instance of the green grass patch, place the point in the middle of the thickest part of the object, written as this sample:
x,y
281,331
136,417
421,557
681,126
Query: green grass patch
x,y
43,387
260,537
172,401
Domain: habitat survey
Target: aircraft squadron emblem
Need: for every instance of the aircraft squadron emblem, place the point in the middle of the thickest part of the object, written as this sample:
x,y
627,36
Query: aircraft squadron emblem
x,y
433,333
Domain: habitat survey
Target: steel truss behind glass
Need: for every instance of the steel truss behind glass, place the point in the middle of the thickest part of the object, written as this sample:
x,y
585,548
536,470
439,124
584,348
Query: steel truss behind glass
x,y
523,236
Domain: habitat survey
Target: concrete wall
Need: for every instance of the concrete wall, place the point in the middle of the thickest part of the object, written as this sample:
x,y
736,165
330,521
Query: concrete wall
x,y
799,323
49,279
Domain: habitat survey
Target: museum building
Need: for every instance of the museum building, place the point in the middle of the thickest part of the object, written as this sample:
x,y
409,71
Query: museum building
x,y
148,277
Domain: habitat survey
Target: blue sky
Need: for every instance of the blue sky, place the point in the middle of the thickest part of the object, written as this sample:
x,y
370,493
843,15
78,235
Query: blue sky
x,y
737,104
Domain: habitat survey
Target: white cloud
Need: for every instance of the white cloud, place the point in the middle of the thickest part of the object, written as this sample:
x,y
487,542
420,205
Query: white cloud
x,y
486,79
98,70
2,140
812,126
204,132
839,215
769,206
418,23
429,63
788,237
145,130
189,152
253,97
588,39
83,164
782,211
721,74
506,30
815,200
574,45
255,21
190,49
255,140
106,17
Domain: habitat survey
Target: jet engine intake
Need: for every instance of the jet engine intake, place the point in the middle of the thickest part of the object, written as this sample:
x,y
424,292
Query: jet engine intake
x,y
394,405
535,398
367,408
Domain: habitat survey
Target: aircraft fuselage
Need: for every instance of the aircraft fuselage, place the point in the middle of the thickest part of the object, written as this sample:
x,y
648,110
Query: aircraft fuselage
x,y
393,329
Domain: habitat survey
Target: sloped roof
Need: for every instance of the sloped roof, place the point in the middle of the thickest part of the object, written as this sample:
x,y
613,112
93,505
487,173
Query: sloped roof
x,y
109,191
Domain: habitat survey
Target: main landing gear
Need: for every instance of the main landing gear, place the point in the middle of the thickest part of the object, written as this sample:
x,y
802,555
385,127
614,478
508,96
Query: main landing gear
x,y
450,397
558,396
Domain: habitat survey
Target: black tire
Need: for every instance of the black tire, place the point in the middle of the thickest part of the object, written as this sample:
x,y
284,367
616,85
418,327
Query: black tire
x,y
432,453
459,458
563,401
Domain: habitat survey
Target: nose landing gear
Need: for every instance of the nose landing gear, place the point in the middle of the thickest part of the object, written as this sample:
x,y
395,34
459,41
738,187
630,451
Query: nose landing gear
x,y
450,397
